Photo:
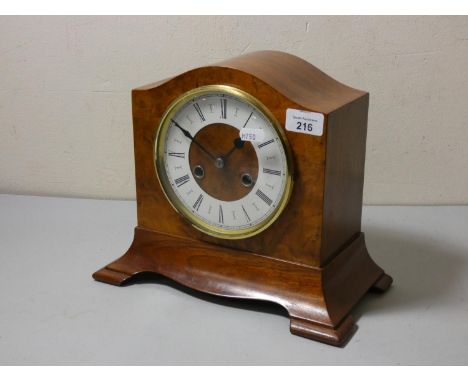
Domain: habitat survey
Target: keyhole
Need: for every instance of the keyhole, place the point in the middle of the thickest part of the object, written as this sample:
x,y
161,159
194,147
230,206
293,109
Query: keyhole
x,y
247,180
199,172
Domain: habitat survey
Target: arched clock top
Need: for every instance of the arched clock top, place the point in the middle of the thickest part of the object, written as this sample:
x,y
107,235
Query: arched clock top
x,y
293,77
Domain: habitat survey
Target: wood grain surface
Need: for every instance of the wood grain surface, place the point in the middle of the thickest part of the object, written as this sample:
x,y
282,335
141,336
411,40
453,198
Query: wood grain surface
x,y
313,259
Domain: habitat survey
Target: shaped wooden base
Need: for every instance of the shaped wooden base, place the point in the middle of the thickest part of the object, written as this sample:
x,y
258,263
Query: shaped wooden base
x,y
318,300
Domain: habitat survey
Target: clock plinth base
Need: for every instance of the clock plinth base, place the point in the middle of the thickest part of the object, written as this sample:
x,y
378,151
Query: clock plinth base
x,y
382,284
336,336
318,300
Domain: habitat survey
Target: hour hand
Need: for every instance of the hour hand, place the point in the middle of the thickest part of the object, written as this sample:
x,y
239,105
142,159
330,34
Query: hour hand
x,y
189,136
238,144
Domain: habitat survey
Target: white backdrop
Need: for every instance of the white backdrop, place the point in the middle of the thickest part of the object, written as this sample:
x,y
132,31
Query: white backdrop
x,y
65,82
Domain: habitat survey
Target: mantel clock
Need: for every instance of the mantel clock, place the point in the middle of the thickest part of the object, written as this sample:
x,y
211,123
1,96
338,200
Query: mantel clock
x,y
249,179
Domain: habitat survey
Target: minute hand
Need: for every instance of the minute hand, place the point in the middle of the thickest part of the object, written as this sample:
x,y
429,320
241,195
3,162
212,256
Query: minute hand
x,y
189,136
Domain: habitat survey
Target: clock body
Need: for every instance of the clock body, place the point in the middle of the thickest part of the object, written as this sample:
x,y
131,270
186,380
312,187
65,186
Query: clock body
x,y
277,221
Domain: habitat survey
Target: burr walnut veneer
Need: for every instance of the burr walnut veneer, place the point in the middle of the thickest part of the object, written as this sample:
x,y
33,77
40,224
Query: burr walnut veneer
x,y
313,259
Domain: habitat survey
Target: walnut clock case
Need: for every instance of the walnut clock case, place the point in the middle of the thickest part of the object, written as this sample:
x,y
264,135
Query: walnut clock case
x,y
271,215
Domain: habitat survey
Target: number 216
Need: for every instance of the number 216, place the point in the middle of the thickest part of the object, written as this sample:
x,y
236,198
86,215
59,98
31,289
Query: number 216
x,y
303,126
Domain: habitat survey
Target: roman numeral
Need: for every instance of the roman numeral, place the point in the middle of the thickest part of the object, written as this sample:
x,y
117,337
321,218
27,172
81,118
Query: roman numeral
x,y
182,180
220,215
178,155
223,107
245,213
248,119
197,108
198,202
265,198
272,172
265,143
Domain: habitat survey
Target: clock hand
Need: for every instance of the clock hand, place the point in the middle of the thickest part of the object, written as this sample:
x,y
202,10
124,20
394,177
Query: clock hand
x,y
238,144
189,136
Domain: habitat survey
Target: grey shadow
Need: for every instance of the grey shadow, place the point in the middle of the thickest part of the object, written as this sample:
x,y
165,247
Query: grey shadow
x,y
424,271
237,303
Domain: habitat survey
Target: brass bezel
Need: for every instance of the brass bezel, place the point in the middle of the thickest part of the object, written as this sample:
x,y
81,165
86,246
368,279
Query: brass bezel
x,y
175,202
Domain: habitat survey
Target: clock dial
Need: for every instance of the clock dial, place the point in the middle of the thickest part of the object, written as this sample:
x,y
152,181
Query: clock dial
x,y
225,186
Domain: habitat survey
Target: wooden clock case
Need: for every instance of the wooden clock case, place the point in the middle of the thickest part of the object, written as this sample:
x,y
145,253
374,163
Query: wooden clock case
x,y
313,260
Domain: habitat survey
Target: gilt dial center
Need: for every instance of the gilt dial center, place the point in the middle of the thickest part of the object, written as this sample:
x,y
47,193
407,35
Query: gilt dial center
x,y
221,176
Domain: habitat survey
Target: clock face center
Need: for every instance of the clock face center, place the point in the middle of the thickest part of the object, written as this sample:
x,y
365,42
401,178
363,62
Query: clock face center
x,y
219,162
233,172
